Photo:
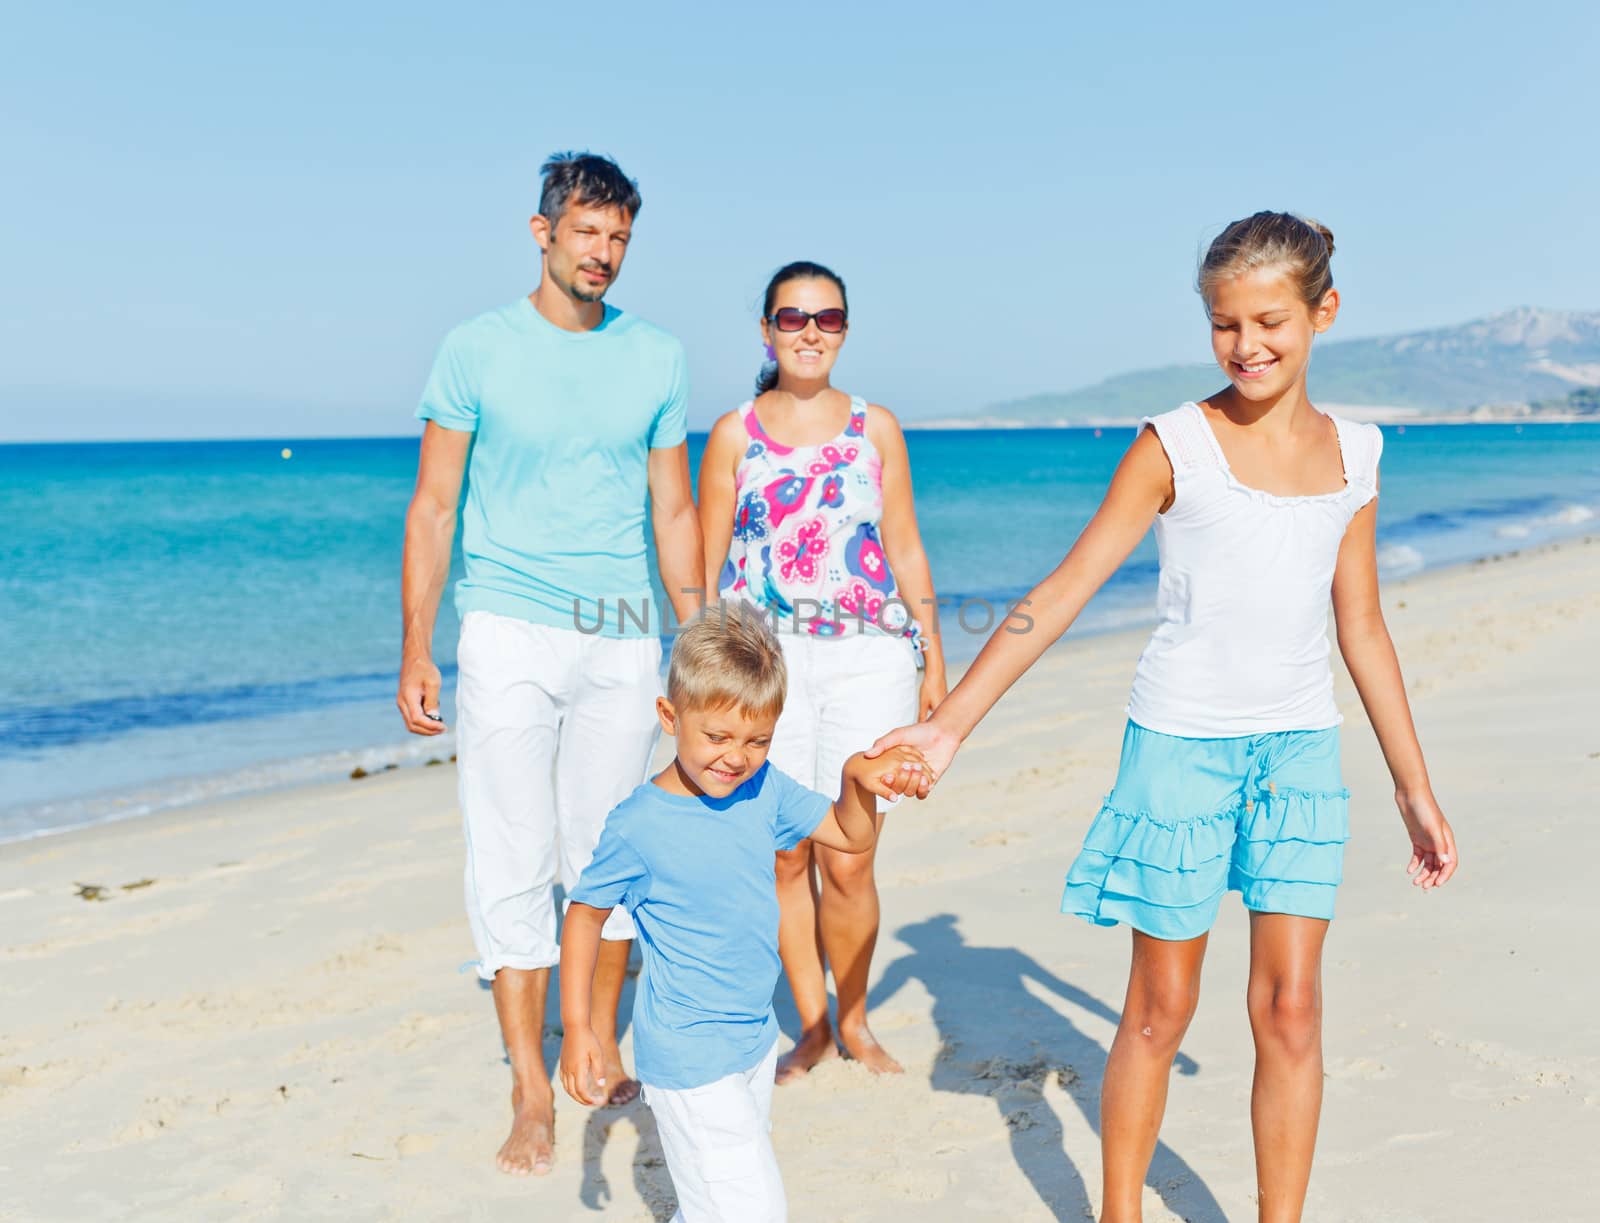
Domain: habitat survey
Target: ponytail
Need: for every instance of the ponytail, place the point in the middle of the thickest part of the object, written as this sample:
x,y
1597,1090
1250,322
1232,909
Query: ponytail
x,y
767,378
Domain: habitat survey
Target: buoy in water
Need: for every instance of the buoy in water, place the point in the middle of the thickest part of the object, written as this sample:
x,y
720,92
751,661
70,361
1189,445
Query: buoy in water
x,y
287,453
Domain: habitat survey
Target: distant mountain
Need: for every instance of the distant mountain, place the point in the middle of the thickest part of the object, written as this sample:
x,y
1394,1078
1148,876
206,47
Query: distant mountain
x,y
1522,357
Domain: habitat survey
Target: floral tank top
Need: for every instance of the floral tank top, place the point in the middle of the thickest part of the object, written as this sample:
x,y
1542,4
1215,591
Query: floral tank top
x,y
805,541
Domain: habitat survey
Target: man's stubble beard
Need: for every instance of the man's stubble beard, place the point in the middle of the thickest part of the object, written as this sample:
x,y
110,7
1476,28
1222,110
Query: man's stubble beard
x,y
587,296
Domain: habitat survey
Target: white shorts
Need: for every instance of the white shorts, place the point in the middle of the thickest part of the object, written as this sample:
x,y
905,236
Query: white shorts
x,y
718,1144
844,692
553,729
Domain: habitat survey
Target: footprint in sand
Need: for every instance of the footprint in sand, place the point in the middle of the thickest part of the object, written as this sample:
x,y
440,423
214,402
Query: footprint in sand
x,y
408,1145
1405,1140
256,1189
1358,1068
1001,837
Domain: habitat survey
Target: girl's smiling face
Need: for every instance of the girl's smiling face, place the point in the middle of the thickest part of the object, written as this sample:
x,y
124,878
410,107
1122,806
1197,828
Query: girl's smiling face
x,y
806,355
1261,331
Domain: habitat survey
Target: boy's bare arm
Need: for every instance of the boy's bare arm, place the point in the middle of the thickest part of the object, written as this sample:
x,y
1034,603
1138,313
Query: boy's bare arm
x,y
582,1061
850,824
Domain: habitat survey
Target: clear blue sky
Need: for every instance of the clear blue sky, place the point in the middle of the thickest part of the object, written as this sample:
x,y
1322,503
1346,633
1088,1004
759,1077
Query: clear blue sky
x,y
227,220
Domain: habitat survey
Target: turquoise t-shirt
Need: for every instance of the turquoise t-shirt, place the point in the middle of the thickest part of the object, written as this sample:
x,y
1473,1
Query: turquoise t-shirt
x,y
557,481
697,876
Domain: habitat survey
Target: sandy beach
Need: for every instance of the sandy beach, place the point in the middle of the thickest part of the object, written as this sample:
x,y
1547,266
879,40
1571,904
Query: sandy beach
x,y
261,1010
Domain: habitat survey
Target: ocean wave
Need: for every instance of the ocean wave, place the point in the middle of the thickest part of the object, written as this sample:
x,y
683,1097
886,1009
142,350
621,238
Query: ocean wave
x,y
1470,515
1465,533
1399,558
47,818
1568,516
28,730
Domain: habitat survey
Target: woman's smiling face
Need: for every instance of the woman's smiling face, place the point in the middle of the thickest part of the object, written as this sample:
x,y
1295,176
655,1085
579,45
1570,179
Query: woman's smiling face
x,y
806,355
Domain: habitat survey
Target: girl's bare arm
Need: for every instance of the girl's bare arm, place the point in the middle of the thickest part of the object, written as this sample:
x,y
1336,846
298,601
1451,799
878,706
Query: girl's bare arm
x,y
1369,654
1140,489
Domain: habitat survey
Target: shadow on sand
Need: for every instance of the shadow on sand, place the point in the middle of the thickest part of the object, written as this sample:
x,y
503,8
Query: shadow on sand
x,y
999,1041
1002,1042
651,1180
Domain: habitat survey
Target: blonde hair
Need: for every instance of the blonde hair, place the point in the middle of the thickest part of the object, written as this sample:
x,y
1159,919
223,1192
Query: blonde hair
x,y
728,655
1300,246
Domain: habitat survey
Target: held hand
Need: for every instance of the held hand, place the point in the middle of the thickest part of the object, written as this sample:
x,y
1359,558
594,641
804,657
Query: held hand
x,y
419,696
933,690
936,744
900,770
583,1071
1433,844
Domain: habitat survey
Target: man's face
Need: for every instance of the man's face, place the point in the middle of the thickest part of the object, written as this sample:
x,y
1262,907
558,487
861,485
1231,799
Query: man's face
x,y
583,251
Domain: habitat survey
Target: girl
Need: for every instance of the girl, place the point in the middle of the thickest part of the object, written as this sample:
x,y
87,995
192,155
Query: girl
x,y
805,495
1229,778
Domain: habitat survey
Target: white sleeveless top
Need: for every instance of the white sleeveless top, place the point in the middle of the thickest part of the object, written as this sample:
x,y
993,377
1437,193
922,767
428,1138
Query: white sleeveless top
x,y
1241,643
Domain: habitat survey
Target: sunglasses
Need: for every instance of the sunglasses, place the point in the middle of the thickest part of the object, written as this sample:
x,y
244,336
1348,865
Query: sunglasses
x,y
789,319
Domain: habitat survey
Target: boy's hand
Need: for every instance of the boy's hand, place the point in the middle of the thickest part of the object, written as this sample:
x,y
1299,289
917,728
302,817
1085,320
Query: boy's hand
x,y
928,737
900,770
583,1071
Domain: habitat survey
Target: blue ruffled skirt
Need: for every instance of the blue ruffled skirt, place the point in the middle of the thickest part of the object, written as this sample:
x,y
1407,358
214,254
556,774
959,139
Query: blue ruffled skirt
x,y
1189,819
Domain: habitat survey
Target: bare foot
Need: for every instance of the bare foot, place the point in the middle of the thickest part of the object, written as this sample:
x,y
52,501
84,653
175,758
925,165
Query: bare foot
x,y
530,1148
863,1046
624,1090
815,1045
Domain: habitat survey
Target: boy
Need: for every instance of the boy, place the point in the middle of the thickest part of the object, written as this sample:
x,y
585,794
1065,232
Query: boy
x,y
690,854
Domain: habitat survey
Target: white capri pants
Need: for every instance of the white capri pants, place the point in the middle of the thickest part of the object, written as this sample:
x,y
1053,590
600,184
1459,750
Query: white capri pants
x,y
844,692
718,1144
553,729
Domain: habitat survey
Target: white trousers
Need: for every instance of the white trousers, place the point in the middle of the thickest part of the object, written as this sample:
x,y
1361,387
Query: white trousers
x,y
718,1144
844,692
553,728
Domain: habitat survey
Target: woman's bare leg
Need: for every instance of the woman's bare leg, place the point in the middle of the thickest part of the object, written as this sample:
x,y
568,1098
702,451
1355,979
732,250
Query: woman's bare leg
x,y
800,948
848,919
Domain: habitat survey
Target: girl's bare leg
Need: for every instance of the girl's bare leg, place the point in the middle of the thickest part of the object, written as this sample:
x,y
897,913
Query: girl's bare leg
x,y
848,919
1285,999
1163,990
800,948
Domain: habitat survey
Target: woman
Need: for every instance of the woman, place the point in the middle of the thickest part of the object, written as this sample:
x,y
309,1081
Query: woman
x,y
805,498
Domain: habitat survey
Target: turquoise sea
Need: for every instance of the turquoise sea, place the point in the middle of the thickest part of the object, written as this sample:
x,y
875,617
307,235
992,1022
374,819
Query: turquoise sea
x,y
186,620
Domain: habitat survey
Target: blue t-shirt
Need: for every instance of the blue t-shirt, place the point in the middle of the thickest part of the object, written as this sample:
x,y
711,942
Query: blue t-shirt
x,y
557,478
697,876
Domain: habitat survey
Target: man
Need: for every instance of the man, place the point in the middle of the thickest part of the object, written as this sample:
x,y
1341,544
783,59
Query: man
x,y
564,413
